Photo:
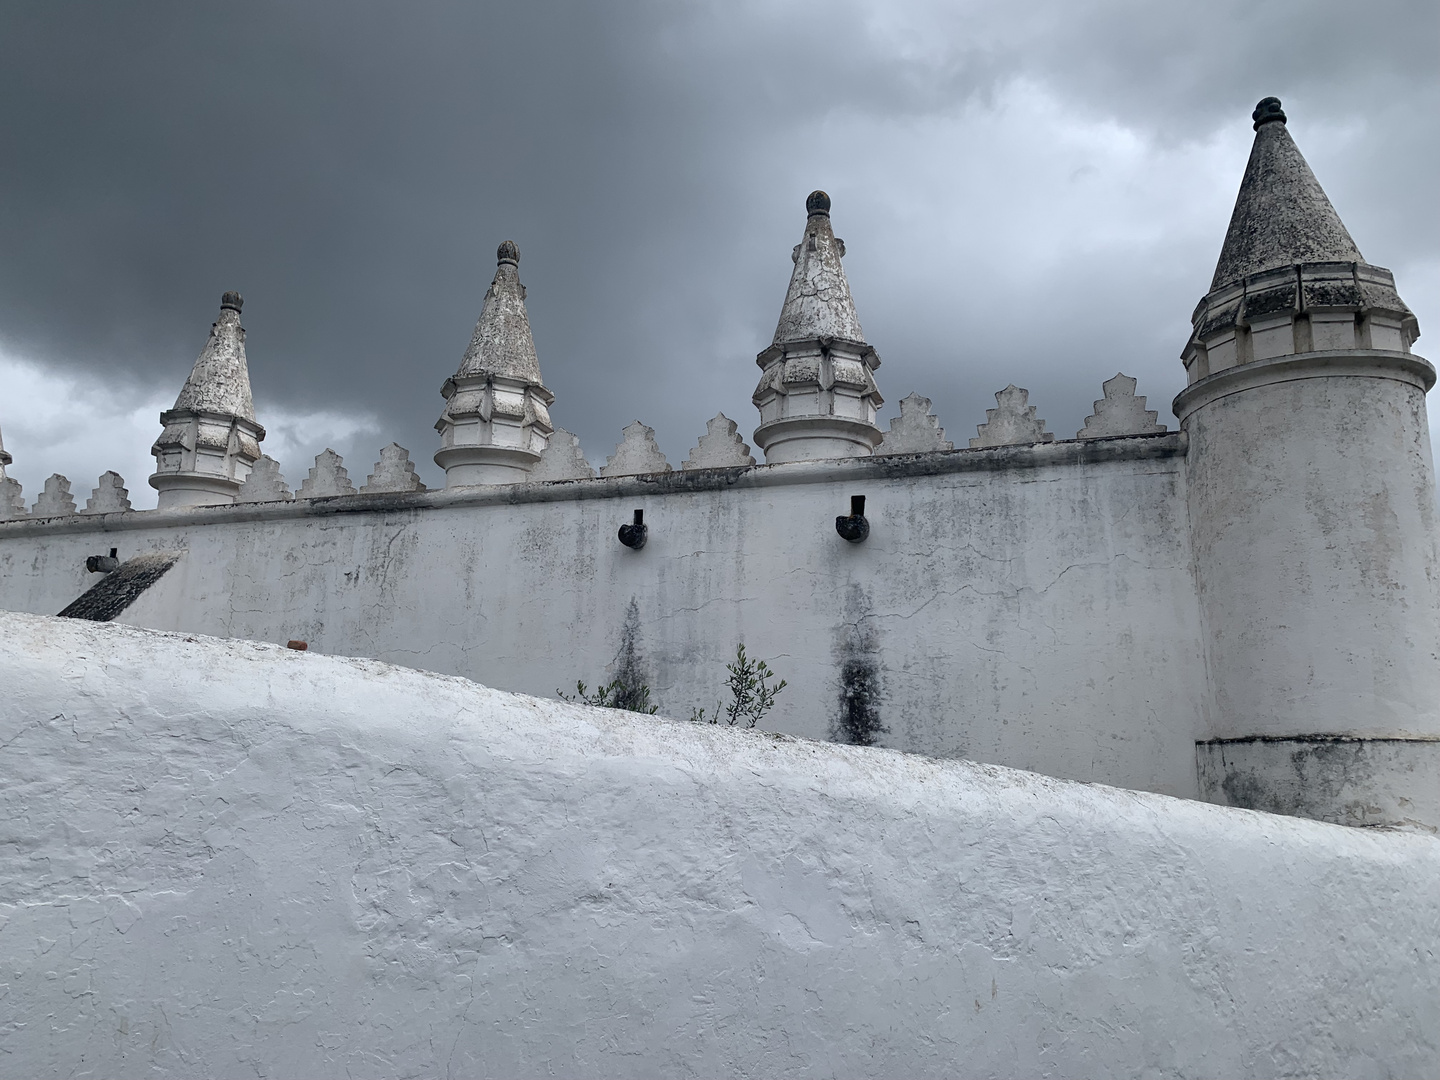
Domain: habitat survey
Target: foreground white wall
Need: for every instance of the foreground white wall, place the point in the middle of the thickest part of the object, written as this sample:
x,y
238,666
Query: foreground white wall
x,y
219,858
1029,606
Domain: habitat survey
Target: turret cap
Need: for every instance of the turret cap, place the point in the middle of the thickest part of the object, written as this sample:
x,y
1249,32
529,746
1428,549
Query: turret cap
x,y
232,300
507,252
817,203
1267,110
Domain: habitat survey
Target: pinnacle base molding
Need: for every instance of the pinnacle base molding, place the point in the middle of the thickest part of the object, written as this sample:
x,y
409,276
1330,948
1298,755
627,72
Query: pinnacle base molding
x,y
812,438
482,466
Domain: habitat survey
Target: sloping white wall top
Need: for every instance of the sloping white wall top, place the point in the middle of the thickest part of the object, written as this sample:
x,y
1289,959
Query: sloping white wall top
x,y
224,858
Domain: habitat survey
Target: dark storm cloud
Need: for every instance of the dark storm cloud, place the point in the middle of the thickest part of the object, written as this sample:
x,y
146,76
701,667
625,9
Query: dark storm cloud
x,y
351,168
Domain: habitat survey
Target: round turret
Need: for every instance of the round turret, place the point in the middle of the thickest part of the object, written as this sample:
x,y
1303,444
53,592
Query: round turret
x,y
1312,511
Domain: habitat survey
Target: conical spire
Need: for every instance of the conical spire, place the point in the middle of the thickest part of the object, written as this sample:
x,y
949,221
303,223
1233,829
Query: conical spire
x,y
502,344
5,458
1290,279
496,420
817,396
210,438
220,380
1282,216
818,302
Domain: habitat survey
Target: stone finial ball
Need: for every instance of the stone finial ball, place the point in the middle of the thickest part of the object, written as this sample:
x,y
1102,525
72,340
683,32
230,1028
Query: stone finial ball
x,y
817,202
508,252
1268,109
233,300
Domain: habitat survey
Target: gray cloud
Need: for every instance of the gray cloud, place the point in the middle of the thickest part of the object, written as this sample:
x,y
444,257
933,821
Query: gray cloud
x,y
1029,193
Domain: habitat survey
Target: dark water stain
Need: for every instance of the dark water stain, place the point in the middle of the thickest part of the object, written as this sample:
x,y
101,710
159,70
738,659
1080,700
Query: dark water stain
x,y
116,591
858,718
633,691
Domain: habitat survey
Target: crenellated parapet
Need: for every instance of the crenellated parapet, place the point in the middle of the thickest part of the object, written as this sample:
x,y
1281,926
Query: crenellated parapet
x,y
210,438
496,421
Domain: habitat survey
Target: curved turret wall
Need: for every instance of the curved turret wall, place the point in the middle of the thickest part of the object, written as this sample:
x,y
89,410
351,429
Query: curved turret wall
x,y
1313,526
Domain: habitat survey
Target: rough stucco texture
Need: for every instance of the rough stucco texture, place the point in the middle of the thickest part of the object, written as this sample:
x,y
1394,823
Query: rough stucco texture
x,y
1041,618
222,858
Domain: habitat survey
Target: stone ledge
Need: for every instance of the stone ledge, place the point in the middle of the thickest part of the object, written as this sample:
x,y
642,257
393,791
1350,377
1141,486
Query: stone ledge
x,y
1366,364
1073,452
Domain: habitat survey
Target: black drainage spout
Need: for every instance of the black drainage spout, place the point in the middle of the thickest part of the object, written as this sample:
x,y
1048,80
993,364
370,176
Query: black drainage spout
x,y
103,564
854,528
634,534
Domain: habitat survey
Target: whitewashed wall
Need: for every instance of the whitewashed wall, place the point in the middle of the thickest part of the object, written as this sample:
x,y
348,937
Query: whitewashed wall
x,y
222,858
1029,606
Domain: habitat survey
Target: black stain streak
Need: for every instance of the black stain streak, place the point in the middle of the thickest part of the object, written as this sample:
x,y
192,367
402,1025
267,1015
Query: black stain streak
x,y
633,691
121,588
858,720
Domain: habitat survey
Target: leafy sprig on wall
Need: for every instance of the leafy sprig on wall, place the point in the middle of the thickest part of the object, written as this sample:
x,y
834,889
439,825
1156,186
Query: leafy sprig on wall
x,y
613,695
753,689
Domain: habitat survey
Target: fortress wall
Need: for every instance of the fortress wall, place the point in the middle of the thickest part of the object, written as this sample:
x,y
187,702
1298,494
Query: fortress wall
x,y
221,858
1031,606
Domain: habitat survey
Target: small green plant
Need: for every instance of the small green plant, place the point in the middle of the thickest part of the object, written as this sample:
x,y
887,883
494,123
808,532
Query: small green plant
x,y
752,693
614,695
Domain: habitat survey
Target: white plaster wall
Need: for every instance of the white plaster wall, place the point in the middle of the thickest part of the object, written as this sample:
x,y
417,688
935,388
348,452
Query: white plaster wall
x,y
225,859
1312,504
1030,606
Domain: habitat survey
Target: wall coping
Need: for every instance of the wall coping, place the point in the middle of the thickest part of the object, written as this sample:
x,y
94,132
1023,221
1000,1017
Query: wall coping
x,y
1166,445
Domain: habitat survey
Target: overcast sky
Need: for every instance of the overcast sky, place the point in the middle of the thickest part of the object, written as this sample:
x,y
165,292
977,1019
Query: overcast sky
x,y
1029,192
